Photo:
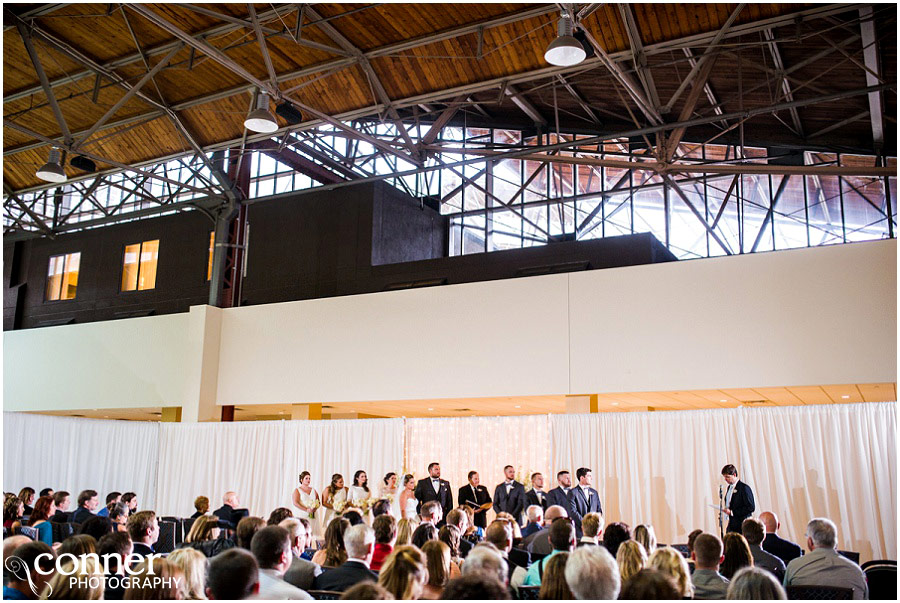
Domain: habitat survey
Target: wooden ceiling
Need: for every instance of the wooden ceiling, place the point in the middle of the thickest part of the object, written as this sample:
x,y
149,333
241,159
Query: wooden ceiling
x,y
212,101
534,405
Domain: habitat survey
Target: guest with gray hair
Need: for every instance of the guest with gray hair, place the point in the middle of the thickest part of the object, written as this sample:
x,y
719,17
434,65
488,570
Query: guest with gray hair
x,y
535,516
823,565
359,540
485,558
301,573
592,573
753,583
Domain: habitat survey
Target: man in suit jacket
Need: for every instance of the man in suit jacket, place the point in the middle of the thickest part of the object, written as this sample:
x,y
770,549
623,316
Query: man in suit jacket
x,y
583,499
143,527
301,573
785,550
359,541
754,532
509,496
475,495
229,512
739,504
537,496
272,548
61,499
434,488
560,494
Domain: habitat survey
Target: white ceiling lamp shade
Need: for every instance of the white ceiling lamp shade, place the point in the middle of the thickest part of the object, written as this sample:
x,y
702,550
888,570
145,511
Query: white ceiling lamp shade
x,y
261,119
52,171
565,50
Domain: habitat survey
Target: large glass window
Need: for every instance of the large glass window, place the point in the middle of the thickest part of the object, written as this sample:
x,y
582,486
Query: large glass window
x,y
139,266
62,276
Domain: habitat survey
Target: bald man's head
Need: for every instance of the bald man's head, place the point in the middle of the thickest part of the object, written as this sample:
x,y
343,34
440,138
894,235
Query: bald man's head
x,y
770,520
554,512
230,498
12,543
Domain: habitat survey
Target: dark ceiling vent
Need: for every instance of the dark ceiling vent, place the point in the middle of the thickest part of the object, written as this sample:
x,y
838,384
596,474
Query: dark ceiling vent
x,y
462,410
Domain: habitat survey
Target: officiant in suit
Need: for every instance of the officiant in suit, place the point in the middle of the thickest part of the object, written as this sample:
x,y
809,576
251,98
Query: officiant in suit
x,y
509,496
583,499
739,503
434,488
475,496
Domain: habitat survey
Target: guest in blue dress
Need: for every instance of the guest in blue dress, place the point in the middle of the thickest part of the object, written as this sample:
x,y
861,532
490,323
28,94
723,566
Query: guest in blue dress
x,y
44,509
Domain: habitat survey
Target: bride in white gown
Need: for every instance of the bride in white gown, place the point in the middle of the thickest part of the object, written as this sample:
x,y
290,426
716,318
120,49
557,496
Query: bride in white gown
x,y
306,501
389,492
407,501
334,499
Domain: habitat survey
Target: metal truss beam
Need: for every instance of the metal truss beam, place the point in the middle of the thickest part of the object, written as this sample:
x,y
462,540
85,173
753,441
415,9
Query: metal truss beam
x,y
637,49
873,74
785,84
298,163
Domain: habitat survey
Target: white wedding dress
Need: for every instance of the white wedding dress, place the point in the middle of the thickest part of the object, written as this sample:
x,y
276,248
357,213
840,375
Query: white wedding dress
x,y
308,501
357,496
411,505
392,496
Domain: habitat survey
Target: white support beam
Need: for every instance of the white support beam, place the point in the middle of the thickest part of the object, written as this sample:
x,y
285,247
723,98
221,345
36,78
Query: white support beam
x,y
873,74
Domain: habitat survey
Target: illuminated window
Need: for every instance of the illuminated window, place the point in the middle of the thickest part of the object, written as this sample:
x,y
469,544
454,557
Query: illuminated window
x,y
212,240
139,267
62,276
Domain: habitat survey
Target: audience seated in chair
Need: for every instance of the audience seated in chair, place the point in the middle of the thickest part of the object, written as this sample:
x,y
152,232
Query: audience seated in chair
x,y
35,567
823,566
279,515
404,573
40,519
78,545
118,515
534,520
246,528
115,543
590,529
614,535
646,535
707,555
385,528
131,501
26,495
562,537
500,535
592,573
437,556
145,585
649,584
631,559
359,542
553,583
271,546
333,554
425,532
229,511
486,559
754,532
204,537
201,504
233,574
785,550
755,583
143,527
301,573
193,564
673,564
458,517
367,591
61,500
737,554
87,504
539,542
13,511
112,497
475,586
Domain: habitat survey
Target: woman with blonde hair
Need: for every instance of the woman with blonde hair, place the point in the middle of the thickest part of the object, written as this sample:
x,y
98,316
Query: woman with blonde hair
x,y
167,581
193,563
334,553
405,529
405,573
645,534
204,537
631,558
437,556
89,585
553,583
673,564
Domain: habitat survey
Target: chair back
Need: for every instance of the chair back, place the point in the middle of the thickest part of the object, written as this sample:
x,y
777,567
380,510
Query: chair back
x,y
818,592
28,531
166,542
681,548
61,531
529,593
179,528
882,581
851,555
878,562
325,595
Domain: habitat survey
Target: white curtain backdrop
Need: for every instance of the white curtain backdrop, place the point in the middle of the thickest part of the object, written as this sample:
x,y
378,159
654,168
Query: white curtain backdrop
x,y
483,444
74,454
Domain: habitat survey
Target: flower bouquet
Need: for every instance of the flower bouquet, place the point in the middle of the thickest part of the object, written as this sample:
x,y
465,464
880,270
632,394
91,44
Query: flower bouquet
x,y
338,505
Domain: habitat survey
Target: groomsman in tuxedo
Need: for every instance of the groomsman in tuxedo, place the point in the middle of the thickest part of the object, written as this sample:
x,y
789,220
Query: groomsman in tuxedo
x,y
537,496
477,497
739,503
434,488
560,494
583,499
509,496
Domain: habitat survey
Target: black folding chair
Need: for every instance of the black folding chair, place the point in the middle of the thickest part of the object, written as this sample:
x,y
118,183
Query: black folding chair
x,y
166,542
818,593
851,555
325,595
882,579
529,593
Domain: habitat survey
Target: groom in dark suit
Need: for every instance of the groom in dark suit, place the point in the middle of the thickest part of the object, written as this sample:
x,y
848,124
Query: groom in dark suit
x,y
509,496
583,499
434,488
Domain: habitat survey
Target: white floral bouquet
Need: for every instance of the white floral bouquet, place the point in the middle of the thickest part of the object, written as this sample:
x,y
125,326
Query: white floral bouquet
x,y
388,497
339,505
314,505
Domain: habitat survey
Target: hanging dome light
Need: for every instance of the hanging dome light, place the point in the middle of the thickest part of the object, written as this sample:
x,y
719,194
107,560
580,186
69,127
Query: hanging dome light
x,y
565,50
52,171
260,119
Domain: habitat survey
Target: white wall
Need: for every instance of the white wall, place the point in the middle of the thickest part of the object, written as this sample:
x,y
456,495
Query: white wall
x,y
129,363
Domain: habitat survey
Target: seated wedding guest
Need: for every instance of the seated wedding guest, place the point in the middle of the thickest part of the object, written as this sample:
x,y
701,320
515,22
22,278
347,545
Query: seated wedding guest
x,y
486,559
229,511
755,583
707,555
353,516
500,535
590,529
117,544
672,563
450,536
754,531
534,516
279,515
13,511
155,579
76,580
118,515
87,503
98,527
193,564
201,504
405,529
614,535
592,573
785,550
423,534
562,537
431,512
61,500
404,573
475,586
246,528
130,499
823,565
458,517
367,591
143,527
737,554
539,542
302,572
78,545
473,533
46,492
112,497
204,537
26,579
437,556
645,534
233,574
359,542
553,582
272,548
385,528
514,524
334,553
381,507
631,559
26,495
11,543
649,584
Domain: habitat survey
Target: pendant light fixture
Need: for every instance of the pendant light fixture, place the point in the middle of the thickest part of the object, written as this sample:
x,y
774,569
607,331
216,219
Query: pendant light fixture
x,y
565,50
52,171
261,119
